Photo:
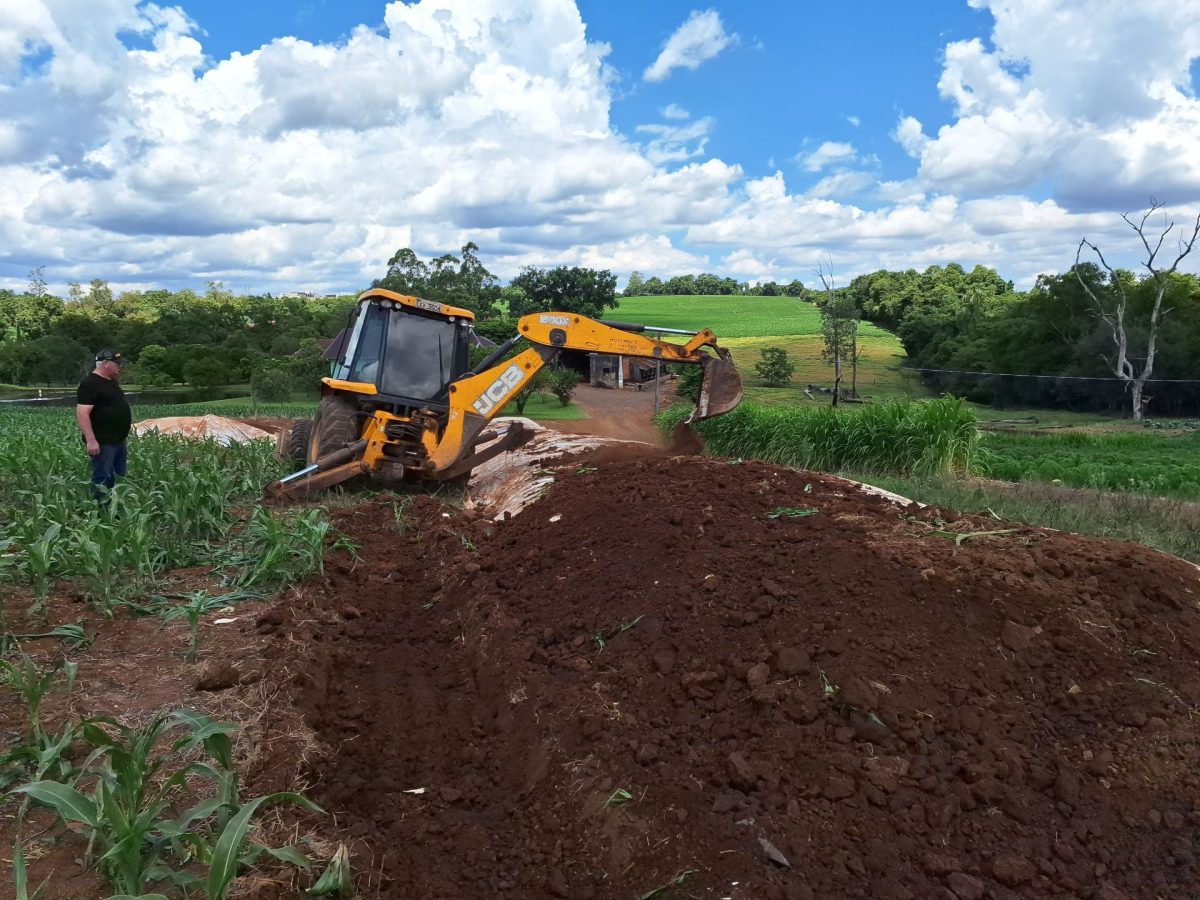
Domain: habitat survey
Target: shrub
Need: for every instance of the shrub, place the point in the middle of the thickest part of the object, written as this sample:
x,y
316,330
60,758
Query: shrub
x,y
536,385
775,368
272,384
689,384
562,384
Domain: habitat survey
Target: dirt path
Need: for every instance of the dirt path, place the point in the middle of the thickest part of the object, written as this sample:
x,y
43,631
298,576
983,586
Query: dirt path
x,y
624,414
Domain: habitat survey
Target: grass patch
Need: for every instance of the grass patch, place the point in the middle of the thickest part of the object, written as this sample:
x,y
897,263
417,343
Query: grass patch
x,y
926,437
547,409
1172,526
748,325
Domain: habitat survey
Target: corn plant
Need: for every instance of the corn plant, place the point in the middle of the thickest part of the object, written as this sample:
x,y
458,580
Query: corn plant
x,y
48,758
179,496
277,550
39,558
195,605
136,836
32,684
38,752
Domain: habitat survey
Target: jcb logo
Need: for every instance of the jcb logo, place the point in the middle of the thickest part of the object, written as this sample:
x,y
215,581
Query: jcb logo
x,y
498,390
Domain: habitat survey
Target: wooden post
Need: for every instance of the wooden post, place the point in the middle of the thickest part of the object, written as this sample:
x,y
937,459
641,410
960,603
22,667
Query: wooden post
x,y
657,366
837,379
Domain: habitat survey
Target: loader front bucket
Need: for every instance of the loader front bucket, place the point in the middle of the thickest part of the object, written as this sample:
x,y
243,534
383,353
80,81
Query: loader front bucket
x,y
720,389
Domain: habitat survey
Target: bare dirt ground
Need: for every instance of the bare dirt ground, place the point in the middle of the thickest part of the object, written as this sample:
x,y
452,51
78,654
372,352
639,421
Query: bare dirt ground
x,y
624,413
683,677
680,678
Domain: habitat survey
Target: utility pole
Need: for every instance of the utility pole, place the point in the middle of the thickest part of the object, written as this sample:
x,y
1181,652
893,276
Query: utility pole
x,y
657,366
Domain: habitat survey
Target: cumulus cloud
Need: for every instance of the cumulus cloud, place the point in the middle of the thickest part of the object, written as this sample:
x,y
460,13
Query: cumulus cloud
x,y
672,143
312,163
829,152
306,165
696,41
1095,99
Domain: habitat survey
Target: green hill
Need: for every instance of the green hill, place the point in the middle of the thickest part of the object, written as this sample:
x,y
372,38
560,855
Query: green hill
x,y
746,325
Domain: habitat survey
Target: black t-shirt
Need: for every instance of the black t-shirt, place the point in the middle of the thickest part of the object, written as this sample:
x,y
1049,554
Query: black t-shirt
x,y
111,417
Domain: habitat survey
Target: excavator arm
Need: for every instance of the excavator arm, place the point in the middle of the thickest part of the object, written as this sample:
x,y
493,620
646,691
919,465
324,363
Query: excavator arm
x,y
478,398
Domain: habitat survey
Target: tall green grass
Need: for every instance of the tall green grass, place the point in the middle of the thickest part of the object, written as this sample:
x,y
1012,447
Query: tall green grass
x,y
926,437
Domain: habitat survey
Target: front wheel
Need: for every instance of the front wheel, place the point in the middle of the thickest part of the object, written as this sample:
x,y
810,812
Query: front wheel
x,y
334,426
295,442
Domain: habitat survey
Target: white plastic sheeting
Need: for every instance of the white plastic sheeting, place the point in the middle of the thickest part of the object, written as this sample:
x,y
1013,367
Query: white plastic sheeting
x,y
218,428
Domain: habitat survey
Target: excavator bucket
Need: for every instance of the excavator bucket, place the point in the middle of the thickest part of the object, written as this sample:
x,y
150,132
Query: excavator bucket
x,y
720,390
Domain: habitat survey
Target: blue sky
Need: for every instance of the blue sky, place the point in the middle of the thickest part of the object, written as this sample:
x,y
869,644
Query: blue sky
x,y
294,146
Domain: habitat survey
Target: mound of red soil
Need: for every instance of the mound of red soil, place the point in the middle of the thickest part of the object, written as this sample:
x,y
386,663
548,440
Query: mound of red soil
x,y
670,674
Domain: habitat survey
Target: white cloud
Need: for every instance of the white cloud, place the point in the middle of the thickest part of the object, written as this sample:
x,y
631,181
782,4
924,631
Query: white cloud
x,y
305,166
674,143
696,41
842,184
854,120
1095,99
828,153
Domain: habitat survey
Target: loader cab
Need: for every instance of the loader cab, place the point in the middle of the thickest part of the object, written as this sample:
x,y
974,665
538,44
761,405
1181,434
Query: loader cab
x,y
409,349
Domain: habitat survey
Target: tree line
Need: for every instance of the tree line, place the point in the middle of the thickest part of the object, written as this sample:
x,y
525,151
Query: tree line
x,y
215,338
954,325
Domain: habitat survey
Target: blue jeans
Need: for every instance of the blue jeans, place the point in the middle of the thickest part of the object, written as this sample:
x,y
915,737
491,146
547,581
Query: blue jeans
x,y
107,466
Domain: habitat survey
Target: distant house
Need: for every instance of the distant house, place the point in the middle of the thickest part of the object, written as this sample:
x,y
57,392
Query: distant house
x,y
609,370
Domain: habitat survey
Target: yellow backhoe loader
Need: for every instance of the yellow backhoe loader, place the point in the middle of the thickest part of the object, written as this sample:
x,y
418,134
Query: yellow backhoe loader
x,y
402,401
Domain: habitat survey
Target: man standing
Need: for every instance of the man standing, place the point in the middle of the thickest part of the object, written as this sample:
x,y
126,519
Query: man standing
x,y
104,419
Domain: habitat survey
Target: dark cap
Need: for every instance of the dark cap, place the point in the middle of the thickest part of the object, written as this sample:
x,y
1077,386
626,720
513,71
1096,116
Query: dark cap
x,y
113,355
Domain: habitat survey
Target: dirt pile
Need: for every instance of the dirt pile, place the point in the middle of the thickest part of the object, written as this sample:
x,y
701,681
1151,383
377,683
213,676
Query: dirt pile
x,y
737,680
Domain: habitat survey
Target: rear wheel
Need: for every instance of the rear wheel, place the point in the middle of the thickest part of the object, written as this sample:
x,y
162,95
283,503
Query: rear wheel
x,y
295,443
334,426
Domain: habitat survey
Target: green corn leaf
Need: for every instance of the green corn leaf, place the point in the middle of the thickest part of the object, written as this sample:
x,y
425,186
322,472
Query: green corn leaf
x,y
290,855
197,813
224,865
335,881
68,802
21,878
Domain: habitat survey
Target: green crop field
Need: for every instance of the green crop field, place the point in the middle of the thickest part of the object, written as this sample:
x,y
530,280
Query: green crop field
x,y
732,317
1146,462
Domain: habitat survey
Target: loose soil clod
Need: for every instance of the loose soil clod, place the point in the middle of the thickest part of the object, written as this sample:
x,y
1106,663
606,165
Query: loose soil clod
x,y
893,714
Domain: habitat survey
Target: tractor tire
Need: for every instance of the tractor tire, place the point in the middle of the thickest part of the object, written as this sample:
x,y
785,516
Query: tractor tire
x,y
295,442
333,427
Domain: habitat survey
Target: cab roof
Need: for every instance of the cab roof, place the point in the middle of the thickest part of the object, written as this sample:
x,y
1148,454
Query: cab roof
x,y
433,306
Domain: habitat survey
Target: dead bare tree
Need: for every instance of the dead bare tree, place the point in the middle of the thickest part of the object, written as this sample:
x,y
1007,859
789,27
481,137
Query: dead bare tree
x,y
1114,315
839,328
